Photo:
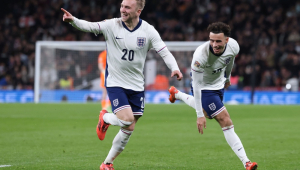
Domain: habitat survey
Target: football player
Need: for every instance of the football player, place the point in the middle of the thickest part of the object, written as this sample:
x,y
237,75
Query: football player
x,y
211,68
128,40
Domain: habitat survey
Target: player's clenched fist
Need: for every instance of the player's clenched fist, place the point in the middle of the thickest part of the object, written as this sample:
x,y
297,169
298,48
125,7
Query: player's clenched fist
x,y
177,73
67,17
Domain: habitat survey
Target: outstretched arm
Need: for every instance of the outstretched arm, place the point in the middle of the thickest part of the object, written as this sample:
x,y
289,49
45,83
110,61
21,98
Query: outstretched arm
x,y
80,24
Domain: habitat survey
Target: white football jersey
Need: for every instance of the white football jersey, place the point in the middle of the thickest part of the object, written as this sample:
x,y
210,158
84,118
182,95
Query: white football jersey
x,y
216,69
126,50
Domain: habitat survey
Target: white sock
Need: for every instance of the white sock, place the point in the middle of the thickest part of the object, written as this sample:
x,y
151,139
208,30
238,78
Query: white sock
x,y
235,143
118,145
188,99
113,120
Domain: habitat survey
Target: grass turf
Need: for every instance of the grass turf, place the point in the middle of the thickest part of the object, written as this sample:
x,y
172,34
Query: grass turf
x,y
63,137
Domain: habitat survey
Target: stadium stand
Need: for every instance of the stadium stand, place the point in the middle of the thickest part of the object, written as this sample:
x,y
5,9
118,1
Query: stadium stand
x,y
267,30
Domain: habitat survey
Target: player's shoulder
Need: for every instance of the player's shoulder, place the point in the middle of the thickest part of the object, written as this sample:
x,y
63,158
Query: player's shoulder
x,y
202,49
112,21
233,42
147,27
202,52
233,45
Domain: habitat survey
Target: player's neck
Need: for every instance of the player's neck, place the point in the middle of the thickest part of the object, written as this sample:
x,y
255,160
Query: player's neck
x,y
132,23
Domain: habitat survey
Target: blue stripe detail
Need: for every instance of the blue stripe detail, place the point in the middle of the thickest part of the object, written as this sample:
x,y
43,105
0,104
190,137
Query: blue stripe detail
x,y
136,27
106,68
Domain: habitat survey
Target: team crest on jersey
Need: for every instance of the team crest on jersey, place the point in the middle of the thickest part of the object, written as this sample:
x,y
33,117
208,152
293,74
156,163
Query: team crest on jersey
x,y
141,41
227,61
197,64
116,102
212,106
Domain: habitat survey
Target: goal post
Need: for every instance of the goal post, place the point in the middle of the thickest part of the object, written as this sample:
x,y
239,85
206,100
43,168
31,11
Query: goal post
x,y
66,69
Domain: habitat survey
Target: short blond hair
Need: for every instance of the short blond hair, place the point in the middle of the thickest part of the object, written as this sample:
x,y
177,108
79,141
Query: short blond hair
x,y
141,4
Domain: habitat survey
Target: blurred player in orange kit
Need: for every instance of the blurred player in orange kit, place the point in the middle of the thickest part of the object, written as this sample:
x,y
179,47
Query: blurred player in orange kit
x,y
105,103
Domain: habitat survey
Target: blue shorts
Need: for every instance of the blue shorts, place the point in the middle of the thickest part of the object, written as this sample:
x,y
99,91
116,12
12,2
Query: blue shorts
x,y
121,98
212,101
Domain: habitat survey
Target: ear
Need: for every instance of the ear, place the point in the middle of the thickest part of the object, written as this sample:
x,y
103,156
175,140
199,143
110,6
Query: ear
x,y
227,39
139,11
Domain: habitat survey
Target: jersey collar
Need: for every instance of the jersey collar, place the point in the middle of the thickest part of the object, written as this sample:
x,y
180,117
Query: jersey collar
x,y
212,51
136,27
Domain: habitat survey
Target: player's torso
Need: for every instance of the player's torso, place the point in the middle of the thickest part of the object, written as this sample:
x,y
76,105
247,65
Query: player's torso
x,y
215,67
127,48
127,51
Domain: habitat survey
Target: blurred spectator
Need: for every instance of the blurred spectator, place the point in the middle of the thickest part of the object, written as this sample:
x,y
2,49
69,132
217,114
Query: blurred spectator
x,y
161,82
66,82
5,83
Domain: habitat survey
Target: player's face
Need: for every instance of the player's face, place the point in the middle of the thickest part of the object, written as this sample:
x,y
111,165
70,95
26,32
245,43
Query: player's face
x,y
129,10
218,42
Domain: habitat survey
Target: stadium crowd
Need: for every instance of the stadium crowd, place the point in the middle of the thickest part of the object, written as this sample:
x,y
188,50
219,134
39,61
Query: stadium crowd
x,y
266,30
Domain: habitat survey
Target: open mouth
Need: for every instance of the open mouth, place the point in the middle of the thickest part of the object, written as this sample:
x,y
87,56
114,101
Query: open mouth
x,y
124,15
217,50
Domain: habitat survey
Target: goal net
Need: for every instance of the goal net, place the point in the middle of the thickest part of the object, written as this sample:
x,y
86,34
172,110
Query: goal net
x,y
68,71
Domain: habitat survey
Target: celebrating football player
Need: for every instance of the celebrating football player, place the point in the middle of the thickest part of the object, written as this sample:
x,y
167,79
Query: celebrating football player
x,y
211,68
128,40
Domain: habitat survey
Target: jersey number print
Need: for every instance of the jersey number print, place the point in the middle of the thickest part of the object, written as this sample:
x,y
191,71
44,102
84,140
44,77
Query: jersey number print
x,y
130,55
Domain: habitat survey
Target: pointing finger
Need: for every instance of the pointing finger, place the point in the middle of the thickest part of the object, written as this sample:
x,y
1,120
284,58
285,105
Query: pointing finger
x,y
65,11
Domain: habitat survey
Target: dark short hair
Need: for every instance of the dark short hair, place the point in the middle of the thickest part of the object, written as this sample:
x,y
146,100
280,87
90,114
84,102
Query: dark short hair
x,y
219,27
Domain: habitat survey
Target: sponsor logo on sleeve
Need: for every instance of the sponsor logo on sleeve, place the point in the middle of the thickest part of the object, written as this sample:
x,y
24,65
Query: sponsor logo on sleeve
x,y
197,64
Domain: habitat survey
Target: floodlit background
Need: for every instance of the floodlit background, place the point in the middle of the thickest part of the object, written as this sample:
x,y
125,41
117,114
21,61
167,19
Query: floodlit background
x,y
267,32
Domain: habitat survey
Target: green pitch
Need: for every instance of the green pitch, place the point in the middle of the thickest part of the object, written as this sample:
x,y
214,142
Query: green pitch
x,y
63,137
